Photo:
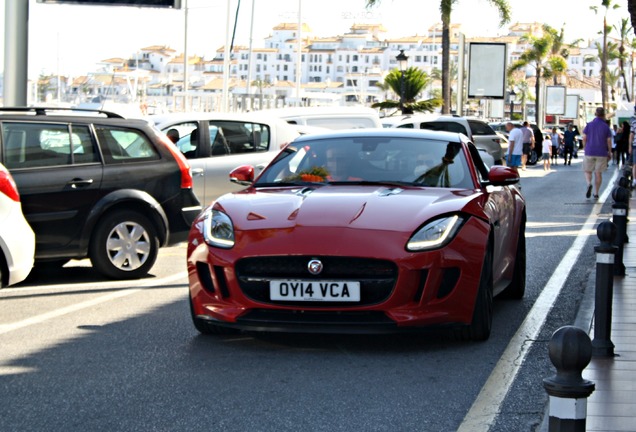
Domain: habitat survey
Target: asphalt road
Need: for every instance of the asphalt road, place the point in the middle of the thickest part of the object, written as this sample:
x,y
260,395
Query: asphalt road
x,y
81,353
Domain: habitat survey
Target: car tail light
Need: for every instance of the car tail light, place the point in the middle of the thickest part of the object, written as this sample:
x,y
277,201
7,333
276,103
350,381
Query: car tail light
x,y
7,185
184,166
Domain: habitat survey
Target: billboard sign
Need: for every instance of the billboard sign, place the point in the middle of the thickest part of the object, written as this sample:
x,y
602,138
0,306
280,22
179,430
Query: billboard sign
x,y
486,70
555,100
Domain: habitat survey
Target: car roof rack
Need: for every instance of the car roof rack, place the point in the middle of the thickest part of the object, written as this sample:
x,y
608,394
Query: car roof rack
x,y
42,111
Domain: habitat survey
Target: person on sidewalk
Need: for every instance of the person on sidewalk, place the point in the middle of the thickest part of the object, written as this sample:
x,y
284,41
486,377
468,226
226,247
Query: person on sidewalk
x,y
597,145
632,145
515,146
569,138
556,140
547,154
623,145
528,144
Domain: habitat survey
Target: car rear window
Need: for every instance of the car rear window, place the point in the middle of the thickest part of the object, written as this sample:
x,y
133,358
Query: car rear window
x,y
444,126
480,128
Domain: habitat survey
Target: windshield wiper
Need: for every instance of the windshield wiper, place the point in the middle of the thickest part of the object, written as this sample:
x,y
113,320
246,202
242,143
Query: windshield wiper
x,y
393,183
286,184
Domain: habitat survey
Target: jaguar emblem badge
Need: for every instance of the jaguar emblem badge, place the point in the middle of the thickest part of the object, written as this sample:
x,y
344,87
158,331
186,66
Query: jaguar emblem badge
x,y
315,267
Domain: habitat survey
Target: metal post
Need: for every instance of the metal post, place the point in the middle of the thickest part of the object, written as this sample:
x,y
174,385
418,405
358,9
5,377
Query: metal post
x,y
602,345
402,92
16,43
619,217
570,351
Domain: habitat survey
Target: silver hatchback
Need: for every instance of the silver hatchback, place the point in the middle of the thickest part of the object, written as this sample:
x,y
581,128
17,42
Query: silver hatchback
x,y
216,143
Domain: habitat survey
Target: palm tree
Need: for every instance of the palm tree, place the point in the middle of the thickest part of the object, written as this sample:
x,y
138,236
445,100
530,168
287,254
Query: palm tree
x,y
610,53
624,30
415,80
535,56
607,4
559,52
446,7
613,80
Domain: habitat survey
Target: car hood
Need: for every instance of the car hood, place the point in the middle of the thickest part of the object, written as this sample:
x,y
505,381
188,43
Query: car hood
x,y
363,207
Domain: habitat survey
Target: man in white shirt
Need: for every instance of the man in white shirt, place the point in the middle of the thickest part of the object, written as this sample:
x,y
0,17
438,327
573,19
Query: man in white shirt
x,y
515,146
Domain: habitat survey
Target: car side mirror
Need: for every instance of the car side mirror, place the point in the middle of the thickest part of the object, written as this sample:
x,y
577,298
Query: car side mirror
x,y
502,176
243,175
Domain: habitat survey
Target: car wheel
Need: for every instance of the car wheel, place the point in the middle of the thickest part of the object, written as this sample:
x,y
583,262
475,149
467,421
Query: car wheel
x,y
206,328
124,245
517,287
533,158
481,325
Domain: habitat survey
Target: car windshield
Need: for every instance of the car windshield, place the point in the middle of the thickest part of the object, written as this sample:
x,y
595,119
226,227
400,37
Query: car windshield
x,y
364,160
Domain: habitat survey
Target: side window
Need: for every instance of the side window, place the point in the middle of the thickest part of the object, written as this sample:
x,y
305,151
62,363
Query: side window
x,y
187,142
28,145
240,137
406,126
479,128
125,145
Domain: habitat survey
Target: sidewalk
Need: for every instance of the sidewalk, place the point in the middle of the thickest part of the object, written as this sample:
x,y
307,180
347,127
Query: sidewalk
x,y
612,406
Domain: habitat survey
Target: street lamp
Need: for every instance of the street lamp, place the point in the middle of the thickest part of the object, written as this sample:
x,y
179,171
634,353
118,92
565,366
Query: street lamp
x,y
402,60
512,96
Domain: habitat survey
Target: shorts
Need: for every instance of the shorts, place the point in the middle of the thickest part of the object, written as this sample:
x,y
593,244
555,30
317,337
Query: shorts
x,y
526,148
514,160
546,156
594,163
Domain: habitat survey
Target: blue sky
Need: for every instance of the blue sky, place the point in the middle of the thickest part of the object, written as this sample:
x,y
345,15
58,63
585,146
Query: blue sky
x,y
80,36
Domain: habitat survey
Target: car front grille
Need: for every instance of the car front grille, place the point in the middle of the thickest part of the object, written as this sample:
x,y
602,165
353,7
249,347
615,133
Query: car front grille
x,y
377,277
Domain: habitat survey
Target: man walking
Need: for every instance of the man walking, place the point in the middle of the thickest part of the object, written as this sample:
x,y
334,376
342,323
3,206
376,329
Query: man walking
x,y
515,146
597,142
569,136
528,144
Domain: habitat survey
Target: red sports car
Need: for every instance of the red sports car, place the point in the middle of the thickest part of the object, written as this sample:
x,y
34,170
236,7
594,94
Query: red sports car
x,y
361,231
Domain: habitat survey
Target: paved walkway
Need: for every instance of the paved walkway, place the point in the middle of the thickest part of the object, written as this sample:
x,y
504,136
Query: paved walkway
x,y
612,406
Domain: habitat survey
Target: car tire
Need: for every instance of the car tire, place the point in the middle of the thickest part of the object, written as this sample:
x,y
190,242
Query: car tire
x,y
130,260
533,158
517,288
206,328
481,324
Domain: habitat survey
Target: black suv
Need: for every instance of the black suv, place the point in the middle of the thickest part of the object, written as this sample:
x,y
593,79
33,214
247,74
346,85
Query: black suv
x,y
93,184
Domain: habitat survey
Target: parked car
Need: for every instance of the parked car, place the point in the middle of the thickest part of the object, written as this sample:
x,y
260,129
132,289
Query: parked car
x,y
215,144
95,185
17,241
335,118
361,231
477,131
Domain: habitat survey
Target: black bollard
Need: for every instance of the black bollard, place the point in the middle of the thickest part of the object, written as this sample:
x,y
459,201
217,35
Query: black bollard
x,y
570,351
602,345
624,182
619,217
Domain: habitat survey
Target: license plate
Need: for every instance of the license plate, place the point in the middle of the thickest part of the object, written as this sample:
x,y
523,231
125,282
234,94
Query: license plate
x,y
295,290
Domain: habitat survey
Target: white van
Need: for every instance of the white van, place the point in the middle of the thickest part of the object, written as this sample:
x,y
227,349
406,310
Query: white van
x,y
329,117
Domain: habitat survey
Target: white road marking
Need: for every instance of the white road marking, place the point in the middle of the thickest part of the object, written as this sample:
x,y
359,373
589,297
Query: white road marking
x,y
483,412
7,328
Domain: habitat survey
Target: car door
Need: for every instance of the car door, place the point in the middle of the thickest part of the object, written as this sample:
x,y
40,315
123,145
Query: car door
x,y
58,171
232,144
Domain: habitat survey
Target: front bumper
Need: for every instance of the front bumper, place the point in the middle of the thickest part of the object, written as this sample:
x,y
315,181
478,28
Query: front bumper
x,y
428,288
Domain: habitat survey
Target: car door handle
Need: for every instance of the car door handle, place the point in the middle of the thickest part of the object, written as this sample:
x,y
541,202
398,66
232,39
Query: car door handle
x,y
78,183
197,172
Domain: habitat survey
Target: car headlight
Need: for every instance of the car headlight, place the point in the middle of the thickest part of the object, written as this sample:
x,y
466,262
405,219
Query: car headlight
x,y
218,230
434,234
